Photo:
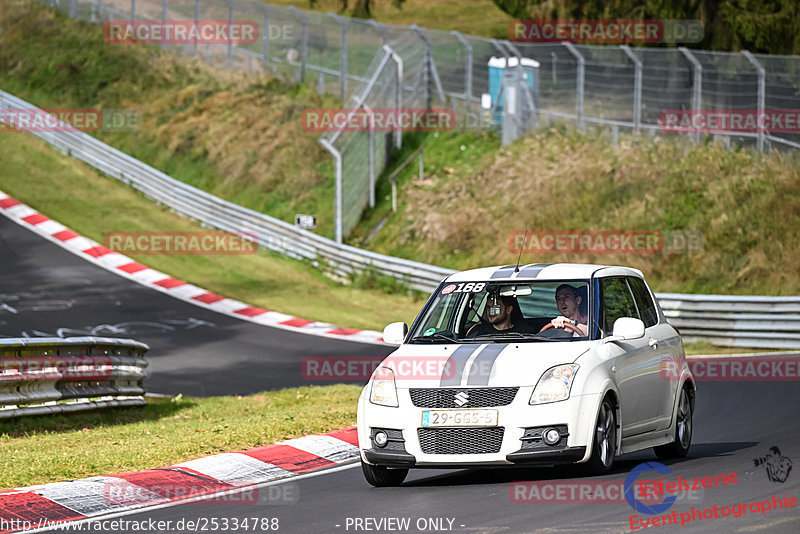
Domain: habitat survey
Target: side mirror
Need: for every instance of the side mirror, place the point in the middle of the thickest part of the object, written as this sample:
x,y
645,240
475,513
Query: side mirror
x,y
395,333
628,328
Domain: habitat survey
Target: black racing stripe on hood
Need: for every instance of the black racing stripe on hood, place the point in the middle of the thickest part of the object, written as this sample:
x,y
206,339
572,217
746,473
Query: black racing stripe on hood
x,y
454,367
483,364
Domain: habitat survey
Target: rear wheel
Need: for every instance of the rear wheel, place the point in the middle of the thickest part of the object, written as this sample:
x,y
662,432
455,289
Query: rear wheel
x,y
604,445
683,430
381,476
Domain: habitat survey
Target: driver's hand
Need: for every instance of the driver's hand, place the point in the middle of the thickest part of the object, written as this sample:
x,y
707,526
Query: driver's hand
x,y
559,321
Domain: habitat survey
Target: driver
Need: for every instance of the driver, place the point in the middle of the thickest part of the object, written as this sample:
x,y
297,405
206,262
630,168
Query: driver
x,y
501,314
572,307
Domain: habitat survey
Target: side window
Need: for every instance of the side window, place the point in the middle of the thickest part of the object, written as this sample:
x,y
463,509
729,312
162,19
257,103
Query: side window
x,y
617,302
647,307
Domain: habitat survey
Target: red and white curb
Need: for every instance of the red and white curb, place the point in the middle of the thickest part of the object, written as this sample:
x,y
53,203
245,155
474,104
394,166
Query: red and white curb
x,y
124,266
227,478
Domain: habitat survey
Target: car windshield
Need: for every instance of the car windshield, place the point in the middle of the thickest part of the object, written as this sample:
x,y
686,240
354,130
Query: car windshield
x,y
526,311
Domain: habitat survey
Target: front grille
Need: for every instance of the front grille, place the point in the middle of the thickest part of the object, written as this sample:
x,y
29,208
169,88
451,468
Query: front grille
x,y
460,440
475,397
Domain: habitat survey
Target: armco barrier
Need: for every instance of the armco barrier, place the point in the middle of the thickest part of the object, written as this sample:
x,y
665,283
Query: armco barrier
x,y
51,375
769,322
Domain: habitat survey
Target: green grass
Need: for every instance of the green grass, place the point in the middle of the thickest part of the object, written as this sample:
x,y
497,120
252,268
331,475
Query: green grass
x,y
40,449
91,204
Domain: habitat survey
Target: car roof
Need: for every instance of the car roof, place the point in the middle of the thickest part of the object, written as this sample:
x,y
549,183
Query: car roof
x,y
542,271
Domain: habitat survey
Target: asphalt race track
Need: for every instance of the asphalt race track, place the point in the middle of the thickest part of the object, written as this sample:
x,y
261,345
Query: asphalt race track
x,y
735,423
47,291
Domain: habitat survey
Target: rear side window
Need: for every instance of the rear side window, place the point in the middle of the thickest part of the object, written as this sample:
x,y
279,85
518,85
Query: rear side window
x,y
647,308
617,302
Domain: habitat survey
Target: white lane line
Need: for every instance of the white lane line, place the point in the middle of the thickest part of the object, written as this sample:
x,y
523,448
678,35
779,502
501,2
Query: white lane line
x,y
207,497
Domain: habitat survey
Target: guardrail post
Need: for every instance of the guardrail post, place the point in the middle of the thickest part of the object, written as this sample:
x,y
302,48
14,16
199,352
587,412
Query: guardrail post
x,y
697,85
300,75
264,35
337,210
762,90
579,85
342,57
229,55
398,135
637,87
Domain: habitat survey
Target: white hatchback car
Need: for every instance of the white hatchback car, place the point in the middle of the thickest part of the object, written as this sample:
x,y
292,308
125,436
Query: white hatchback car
x,y
536,364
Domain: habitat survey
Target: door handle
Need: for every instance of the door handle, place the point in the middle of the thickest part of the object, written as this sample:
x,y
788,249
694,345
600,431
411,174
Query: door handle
x,y
653,344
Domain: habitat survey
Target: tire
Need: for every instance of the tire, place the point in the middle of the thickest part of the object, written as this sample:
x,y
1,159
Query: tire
x,y
381,476
683,430
604,444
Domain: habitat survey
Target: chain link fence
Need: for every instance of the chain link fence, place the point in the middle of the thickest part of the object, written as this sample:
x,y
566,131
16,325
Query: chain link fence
x,y
378,66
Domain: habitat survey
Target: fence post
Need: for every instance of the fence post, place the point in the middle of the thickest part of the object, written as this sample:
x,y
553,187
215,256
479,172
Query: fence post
x,y
342,57
164,19
554,60
371,158
697,85
195,48
337,157
637,87
229,55
762,90
580,84
398,135
73,8
467,75
133,9
264,35
300,76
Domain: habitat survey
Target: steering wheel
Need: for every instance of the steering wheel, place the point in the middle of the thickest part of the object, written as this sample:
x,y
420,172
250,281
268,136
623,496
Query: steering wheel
x,y
569,327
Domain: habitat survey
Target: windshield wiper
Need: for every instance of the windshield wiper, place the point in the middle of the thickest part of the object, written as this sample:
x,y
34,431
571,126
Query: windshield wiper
x,y
517,334
435,335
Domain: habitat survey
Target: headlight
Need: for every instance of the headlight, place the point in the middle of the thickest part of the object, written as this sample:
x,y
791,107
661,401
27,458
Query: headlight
x,y
383,390
554,385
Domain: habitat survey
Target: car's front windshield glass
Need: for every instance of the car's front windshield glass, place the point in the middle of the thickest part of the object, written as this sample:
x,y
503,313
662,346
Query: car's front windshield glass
x,y
484,311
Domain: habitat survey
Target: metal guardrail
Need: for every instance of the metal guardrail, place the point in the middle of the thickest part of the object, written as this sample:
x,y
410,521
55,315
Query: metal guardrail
x,y
55,375
770,322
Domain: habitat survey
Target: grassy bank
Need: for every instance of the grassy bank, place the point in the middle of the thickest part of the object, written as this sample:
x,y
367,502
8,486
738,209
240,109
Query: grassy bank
x,y
744,205
237,136
36,450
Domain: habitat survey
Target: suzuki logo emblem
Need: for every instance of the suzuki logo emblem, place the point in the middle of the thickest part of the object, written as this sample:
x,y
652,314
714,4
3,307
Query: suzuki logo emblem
x,y
461,398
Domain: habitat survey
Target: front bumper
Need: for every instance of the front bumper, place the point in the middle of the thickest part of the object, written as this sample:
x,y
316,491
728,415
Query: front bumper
x,y
519,421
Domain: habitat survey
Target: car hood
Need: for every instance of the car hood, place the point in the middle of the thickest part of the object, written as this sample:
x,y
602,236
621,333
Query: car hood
x,y
476,365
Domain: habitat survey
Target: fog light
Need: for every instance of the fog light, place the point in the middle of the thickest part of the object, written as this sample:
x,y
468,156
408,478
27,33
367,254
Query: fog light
x,y
551,436
380,438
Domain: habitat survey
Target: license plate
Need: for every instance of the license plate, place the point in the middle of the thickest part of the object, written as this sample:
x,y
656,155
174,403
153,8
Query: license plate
x,y
459,418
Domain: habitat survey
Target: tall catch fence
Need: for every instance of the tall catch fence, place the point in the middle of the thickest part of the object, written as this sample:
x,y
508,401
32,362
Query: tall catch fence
x,y
370,66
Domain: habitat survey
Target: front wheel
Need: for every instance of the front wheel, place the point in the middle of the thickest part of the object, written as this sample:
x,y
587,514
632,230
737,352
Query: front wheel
x,y
683,431
381,476
604,445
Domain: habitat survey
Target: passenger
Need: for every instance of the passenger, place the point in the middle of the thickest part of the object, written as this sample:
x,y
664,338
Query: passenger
x,y
573,308
501,314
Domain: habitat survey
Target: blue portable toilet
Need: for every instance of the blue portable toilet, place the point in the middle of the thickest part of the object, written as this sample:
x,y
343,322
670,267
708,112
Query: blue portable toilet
x,y
497,67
